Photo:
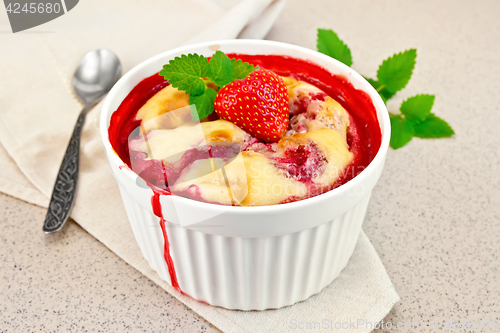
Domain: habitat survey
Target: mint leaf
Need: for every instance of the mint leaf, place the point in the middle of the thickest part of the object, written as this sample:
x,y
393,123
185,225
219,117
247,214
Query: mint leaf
x,y
395,72
433,127
185,73
241,69
402,132
383,92
386,94
220,69
330,44
204,103
417,108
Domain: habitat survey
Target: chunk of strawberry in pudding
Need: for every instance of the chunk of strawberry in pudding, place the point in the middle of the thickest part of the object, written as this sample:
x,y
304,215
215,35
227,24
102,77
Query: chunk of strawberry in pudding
x,y
312,109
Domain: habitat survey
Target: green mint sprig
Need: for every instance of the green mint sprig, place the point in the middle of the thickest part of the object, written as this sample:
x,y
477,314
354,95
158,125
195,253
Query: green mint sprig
x,y
330,44
394,73
415,118
197,76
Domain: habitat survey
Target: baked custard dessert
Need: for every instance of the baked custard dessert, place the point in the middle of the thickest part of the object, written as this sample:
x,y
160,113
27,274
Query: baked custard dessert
x,y
287,131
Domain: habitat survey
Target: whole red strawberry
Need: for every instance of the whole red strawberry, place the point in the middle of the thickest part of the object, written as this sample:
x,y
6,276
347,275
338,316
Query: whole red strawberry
x,y
258,104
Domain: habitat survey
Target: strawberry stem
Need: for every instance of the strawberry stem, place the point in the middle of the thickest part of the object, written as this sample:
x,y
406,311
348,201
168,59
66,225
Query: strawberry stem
x,y
208,81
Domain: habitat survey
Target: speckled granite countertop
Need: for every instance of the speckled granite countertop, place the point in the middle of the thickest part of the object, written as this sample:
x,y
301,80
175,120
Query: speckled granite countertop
x,y
434,217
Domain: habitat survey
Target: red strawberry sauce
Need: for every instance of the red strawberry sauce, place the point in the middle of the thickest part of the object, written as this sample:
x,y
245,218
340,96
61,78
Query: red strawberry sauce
x,y
364,135
156,205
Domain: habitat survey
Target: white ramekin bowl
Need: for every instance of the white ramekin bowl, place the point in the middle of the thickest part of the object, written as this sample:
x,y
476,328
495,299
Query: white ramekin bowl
x,y
248,258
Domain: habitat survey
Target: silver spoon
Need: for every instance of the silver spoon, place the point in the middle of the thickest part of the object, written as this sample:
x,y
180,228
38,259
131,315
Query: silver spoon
x,y
95,76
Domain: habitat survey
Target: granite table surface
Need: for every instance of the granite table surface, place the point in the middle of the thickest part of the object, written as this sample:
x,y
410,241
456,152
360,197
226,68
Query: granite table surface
x,y
434,217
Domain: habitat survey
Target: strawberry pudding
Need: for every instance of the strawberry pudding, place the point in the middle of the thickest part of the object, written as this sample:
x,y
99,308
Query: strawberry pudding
x,y
300,143
225,214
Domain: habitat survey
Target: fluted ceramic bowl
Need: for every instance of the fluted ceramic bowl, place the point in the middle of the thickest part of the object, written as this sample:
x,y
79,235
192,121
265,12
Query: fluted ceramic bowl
x,y
248,258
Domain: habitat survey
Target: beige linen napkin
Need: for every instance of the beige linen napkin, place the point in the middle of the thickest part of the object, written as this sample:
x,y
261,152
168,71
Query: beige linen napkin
x,y
38,111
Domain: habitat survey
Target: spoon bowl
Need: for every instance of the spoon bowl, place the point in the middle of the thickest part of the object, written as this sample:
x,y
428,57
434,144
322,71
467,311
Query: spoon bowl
x,y
97,73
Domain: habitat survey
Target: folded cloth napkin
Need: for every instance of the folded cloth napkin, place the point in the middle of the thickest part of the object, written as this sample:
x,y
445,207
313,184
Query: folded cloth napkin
x,y
38,111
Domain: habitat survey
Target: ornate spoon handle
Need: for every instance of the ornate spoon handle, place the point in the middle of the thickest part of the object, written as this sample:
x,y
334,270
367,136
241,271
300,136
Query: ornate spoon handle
x,y
63,194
